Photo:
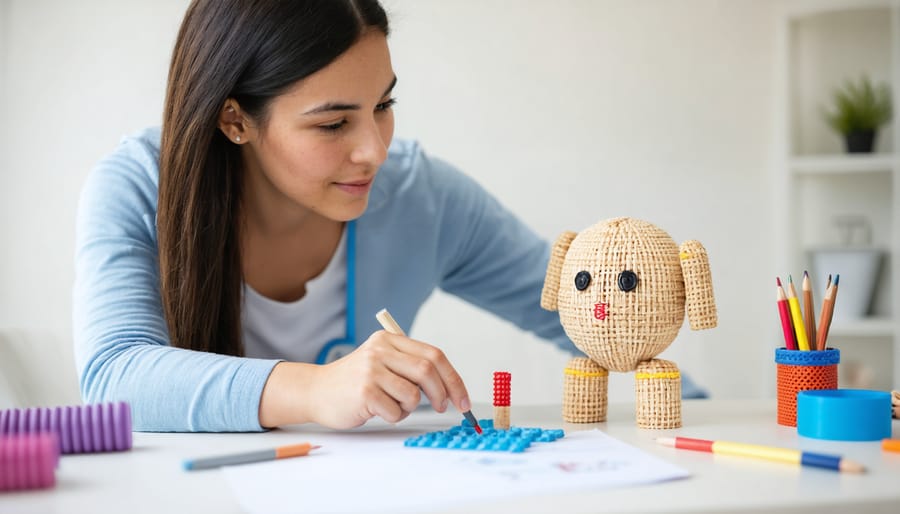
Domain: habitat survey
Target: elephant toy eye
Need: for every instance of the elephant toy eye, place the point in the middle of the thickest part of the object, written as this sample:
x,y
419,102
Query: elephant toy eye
x,y
582,280
627,281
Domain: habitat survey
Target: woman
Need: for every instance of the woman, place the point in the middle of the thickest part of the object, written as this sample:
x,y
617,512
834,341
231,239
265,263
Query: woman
x,y
229,266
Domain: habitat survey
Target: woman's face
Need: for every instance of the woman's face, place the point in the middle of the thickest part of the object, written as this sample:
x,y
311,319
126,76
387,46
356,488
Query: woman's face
x,y
326,136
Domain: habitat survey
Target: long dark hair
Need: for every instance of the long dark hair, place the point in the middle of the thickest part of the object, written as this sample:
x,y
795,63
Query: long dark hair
x,y
252,51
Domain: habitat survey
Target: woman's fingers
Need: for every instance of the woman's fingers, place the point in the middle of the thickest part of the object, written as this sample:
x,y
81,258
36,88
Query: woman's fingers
x,y
420,373
385,377
405,393
384,406
428,367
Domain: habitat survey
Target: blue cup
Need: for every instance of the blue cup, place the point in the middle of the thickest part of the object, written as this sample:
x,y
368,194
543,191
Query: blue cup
x,y
844,414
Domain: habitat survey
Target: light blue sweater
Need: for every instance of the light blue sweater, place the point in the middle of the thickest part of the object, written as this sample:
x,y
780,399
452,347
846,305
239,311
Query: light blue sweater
x,y
427,226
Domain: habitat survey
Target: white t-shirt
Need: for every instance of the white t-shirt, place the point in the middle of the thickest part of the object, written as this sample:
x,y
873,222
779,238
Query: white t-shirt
x,y
297,331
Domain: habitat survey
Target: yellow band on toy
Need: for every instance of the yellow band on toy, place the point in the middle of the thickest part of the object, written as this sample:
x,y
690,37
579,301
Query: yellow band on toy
x,y
663,374
684,255
577,373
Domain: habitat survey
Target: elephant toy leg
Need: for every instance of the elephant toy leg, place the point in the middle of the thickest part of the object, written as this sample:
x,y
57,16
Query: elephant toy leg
x,y
657,385
584,391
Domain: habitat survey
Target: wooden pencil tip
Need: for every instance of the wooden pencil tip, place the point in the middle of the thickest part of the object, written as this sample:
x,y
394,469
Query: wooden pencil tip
x,y
778,281
790,279
805,274
666,441
851,467
837,278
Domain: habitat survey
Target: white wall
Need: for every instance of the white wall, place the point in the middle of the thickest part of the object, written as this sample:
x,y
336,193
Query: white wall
x,y
79,76
4,161
576,111
570,111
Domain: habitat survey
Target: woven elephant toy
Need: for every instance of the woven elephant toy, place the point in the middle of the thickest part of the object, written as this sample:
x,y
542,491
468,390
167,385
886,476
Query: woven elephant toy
x,y
621,288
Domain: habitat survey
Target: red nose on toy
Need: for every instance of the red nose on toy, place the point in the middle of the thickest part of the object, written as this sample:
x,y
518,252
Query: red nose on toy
x,y
600,311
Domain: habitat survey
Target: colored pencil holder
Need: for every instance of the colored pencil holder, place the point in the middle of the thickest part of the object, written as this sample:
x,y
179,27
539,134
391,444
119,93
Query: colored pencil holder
x,y
102,427
799,370
28,461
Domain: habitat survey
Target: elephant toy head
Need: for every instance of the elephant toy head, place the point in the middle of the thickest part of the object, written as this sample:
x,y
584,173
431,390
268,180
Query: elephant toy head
x,y
622,287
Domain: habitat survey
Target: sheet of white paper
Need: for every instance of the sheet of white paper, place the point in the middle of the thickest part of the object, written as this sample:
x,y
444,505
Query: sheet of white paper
x,y
371,473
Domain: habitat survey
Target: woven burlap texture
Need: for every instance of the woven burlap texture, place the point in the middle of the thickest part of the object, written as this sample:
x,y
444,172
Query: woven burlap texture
x,y
584,391
698,293
619,323
657,388
640,323
501,418
554,269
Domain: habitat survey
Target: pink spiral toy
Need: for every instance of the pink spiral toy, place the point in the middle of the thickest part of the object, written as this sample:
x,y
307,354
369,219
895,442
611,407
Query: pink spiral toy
x,y
28,461
102,427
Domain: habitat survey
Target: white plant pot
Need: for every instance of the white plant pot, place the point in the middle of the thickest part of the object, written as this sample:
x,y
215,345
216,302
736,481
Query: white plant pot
x,y
858,268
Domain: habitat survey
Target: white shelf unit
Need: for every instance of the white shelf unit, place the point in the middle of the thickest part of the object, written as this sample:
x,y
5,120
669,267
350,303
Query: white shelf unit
x,y
842,164
820,44
869,327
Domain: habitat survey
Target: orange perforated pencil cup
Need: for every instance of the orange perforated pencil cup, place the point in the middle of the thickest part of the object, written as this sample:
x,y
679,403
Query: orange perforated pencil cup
x,y
803,371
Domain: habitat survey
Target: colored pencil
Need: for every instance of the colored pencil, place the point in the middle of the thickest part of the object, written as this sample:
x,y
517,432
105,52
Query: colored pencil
x,y
827,287
796,317
827,313
281,452
790,341
835,287
891,445
390,324
809,317
784,455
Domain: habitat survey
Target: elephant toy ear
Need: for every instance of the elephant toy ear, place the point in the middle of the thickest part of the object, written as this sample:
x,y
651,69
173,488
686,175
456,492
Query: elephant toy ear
x,y
698,291
550,294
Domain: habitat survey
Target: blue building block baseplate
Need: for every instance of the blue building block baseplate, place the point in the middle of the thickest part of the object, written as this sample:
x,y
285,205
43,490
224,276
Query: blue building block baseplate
x,y
464,437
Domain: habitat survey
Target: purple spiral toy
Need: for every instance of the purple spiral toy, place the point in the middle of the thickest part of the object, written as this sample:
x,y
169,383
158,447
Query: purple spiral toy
x,y
28,461
102,427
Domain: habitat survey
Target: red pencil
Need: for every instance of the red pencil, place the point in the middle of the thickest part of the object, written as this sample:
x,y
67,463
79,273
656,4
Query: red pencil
x,y
786,326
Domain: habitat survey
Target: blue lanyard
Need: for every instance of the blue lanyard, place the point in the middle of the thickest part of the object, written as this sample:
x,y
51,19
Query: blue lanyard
x,y
337,348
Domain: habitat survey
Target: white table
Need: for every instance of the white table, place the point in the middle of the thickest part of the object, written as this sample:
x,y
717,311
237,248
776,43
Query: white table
x,y
149,478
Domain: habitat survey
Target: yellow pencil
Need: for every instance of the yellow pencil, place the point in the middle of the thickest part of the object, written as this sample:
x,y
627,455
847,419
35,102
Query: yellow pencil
x,y
773,453
797,317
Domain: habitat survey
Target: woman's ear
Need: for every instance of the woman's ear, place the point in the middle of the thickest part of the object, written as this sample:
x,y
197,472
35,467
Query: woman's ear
x,y
232,122
550,294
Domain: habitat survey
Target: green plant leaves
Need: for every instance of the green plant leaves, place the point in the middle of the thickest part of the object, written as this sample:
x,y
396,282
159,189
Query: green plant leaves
x,y
859,106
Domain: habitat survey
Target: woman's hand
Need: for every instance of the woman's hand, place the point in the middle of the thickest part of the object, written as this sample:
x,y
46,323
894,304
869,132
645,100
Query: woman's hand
x,y
383,377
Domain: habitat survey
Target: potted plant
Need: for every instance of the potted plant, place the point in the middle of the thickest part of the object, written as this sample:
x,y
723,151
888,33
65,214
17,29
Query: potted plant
x,y
860,108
